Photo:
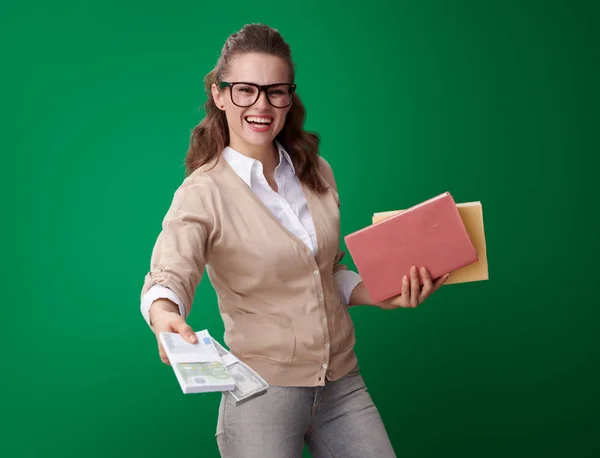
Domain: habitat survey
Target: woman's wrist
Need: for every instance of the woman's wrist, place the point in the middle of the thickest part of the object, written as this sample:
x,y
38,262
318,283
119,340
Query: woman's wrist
x,y
360,296
162,305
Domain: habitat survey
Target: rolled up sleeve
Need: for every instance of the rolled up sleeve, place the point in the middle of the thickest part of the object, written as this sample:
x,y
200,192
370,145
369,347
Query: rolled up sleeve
x,y
181,249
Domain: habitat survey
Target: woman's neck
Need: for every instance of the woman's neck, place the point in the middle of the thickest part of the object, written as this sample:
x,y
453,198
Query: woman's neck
x,y
268,155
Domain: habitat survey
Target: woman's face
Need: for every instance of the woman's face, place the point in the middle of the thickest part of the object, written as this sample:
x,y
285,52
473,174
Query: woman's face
x,y
254,127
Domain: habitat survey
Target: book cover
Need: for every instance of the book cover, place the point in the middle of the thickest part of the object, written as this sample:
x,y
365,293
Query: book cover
x,y
472,216
430,234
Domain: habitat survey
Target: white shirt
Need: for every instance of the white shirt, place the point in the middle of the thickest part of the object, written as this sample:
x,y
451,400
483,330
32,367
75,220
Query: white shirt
x,y
288,205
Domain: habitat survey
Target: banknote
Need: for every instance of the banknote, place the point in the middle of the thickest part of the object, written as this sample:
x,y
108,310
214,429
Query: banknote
x,y
180,350
198,367
203,377
248,384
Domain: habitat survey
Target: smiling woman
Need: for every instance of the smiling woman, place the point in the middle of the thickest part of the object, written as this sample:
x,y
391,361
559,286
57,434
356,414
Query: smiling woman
x,y
265,223
265,74
255,61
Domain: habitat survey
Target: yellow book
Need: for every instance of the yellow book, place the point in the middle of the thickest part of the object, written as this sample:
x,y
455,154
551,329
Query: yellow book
x,y
472,216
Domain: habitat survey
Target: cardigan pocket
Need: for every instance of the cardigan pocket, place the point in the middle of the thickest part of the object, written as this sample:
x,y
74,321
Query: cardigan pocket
x,y
266,337
347,337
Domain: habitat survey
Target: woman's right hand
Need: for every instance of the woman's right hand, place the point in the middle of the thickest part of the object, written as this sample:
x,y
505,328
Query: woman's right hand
x,y
165,317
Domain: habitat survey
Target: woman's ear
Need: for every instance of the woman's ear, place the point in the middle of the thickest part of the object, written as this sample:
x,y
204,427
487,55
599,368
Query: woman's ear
x,y
217,97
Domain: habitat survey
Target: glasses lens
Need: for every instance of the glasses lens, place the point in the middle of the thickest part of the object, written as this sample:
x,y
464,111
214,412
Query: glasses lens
x,y
245,95
280,96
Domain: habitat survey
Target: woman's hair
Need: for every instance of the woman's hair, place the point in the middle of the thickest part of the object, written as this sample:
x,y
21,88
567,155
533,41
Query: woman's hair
x,y
211,136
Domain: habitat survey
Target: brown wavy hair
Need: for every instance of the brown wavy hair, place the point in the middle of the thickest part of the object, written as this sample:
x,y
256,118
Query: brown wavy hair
x,y
211,136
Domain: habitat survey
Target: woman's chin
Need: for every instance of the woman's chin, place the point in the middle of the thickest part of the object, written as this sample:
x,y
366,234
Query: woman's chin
x,y
259,138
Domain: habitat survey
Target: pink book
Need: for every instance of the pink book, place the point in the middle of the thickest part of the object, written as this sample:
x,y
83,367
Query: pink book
x,y
430,234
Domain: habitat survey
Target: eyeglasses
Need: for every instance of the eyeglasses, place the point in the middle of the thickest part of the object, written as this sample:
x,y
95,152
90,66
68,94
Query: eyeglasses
x,y
279,95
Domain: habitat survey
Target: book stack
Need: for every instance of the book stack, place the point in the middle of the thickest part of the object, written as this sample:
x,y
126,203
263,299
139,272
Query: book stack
x,y
438,234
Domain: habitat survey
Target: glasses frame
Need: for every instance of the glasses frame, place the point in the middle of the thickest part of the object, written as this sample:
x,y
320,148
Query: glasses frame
x,y
261,88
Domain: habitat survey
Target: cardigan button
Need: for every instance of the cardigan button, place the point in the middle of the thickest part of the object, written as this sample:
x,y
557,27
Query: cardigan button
x,y
316,272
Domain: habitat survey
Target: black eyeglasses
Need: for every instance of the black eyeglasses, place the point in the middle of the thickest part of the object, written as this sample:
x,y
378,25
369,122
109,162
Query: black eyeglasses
x,y
279,95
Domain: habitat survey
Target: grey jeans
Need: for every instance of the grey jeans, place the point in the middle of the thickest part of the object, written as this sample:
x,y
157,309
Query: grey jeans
x,y
336,420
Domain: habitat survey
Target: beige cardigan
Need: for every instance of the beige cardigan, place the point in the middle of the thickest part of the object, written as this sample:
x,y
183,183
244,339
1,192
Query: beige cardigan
x,y
281,309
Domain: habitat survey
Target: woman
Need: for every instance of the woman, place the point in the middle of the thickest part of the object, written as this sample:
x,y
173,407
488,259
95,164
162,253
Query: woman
x,y
259,210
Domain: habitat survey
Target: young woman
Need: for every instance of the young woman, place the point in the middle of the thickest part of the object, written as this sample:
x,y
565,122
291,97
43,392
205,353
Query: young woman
x,y
258,210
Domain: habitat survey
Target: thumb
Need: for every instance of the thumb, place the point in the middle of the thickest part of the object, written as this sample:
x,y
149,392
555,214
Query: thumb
x,y
186,331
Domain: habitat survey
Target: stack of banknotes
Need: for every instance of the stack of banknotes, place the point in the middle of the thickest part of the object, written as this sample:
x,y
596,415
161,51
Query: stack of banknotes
x,y
208,367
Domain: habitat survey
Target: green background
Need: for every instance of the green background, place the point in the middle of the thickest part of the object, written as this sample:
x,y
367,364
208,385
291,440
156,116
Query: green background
x,y
493,101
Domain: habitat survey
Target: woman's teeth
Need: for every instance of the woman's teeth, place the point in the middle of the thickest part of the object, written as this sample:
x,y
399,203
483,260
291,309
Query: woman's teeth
x,y
258,120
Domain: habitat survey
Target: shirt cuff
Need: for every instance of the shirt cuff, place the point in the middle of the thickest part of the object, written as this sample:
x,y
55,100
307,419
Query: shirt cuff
x,y
159,292
346,281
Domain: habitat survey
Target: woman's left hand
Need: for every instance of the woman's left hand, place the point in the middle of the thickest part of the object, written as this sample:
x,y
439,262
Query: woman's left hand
x,y
412,292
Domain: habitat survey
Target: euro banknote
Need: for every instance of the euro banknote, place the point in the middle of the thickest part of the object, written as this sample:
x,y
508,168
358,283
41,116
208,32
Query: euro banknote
x,y
198,367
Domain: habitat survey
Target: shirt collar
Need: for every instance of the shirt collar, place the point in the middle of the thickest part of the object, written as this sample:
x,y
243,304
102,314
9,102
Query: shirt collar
x,y
244,165
283,153
241,164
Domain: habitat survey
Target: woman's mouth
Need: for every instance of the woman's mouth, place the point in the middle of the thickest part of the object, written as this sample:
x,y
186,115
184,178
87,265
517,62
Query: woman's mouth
x,y
259,123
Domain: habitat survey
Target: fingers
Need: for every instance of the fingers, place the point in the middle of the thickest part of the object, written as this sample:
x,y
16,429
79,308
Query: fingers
x,y
440,281
405,296
163,354
159,327
415,287
412,293
427,284
172,322
185,331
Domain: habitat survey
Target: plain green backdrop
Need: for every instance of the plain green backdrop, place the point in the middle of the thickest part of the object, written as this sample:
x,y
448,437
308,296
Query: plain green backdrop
x,y
492,101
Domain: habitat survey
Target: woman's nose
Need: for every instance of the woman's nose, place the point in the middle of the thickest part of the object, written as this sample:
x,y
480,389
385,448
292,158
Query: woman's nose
x,y
262,101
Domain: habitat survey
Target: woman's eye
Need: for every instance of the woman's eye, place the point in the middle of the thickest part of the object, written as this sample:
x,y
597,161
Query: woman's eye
x,y
245,89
